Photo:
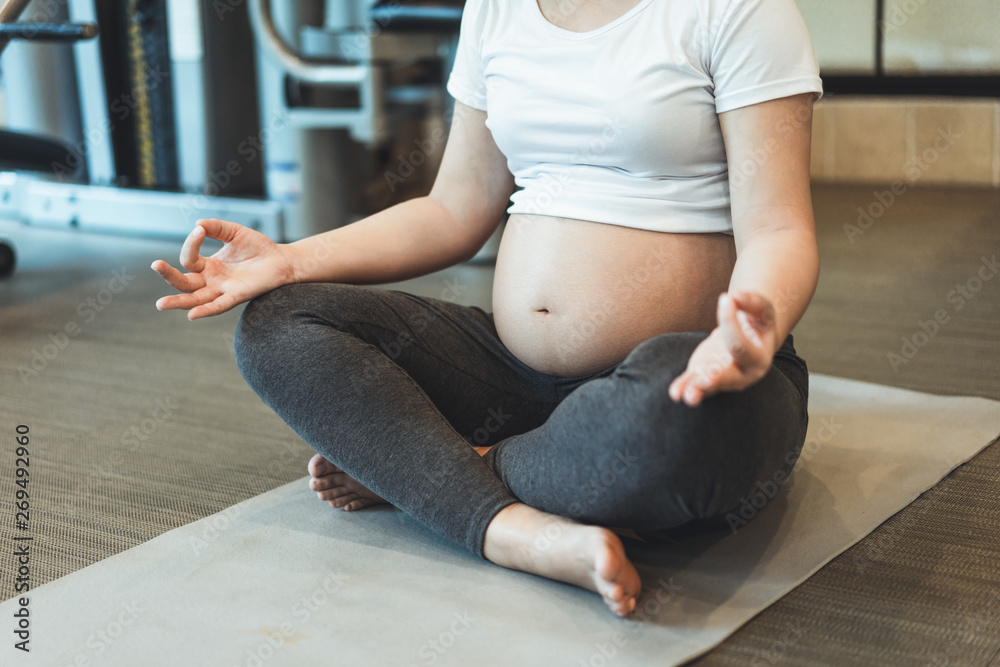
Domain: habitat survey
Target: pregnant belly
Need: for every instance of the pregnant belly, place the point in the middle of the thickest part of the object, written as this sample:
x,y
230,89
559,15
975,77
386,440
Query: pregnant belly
x,y
572,297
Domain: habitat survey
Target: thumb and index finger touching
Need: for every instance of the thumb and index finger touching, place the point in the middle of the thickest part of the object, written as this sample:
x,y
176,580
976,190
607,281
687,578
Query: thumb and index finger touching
x,y
754,304
740,342
191,259
220,230
190,256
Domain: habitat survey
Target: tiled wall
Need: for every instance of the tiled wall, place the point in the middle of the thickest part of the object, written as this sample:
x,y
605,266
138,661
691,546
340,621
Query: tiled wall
x,y
913,140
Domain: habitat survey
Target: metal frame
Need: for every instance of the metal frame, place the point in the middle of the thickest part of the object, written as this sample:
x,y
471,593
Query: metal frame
x,y
97,123
290,60
10,11
170,215
366,124
98,206
184,26
164,215
361,54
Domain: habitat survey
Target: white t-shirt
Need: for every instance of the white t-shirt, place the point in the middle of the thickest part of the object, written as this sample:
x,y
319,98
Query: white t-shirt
x,y
620,124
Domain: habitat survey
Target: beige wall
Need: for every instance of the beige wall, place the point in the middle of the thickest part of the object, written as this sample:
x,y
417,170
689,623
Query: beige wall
x,y
927,141
920,35
843,34
913,140
942,36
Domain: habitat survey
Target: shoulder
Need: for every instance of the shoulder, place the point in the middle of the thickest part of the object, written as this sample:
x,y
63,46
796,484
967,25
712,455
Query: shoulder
x,y
482,10
724,15
480,17
744,24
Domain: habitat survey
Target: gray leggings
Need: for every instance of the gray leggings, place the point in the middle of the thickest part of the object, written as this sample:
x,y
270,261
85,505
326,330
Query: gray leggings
x,y
395,389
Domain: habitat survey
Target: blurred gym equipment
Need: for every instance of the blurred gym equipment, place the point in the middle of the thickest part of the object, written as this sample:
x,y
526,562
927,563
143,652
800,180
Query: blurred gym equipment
x,y
28,152
289,118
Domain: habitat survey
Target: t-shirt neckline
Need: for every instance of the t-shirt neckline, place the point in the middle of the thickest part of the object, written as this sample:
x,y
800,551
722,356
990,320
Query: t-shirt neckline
x,y
572,34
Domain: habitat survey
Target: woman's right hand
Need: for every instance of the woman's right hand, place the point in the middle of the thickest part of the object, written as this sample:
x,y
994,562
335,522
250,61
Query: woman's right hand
x,y
248,265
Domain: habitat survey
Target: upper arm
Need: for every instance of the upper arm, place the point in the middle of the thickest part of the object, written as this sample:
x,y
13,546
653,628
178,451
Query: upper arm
x,y
767,150
765,78
473,183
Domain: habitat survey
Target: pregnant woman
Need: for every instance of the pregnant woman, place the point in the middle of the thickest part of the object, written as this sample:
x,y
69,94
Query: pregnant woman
x,y
637,370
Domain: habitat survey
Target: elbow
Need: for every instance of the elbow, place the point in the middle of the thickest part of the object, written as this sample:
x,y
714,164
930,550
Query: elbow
x,y
467,228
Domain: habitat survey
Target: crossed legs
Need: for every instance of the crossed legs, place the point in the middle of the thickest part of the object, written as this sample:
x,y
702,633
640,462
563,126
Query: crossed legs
x,y
395,392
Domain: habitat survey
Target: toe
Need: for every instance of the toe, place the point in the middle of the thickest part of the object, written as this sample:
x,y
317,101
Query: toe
x,y
334,480
358,503
314,465
343,500
324,483
622,607
625,607
319,466
334,493
614,596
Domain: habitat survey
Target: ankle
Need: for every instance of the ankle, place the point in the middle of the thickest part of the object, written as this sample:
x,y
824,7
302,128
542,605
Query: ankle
x,y
507,529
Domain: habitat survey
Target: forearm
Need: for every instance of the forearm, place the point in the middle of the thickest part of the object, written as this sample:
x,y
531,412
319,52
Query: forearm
x,y
410,239
781,265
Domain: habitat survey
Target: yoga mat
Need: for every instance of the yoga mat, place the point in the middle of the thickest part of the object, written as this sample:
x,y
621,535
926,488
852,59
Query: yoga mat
x,y
283,579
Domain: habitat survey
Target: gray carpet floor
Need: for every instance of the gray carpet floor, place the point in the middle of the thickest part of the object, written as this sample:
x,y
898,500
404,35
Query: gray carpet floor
x,y
140,422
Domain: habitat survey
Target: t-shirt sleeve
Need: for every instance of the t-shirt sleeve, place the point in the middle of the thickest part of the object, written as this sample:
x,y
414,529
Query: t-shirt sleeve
x,y
467,82
762,51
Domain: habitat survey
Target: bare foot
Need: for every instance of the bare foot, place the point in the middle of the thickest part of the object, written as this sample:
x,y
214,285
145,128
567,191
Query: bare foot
x,y
523,538
341,490
338,488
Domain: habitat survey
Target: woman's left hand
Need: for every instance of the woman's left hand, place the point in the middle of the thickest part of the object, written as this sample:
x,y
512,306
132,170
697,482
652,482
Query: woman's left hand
x,y
735,355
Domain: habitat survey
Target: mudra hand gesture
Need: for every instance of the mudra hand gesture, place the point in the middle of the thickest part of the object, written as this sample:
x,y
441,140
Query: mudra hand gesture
x,y
735,355
248,265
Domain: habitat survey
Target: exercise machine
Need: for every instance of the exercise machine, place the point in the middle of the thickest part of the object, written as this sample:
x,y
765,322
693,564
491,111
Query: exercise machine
x,y
285,117
23,151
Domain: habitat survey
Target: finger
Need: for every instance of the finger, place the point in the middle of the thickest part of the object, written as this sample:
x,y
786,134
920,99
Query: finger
x,y
733,338
220,304
220,230
185,282
676,388
700,373
172,302
755,304
692,393
691,378
188,301
178,301
704,383
191,259
691,386
748,328
680,383
729,378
